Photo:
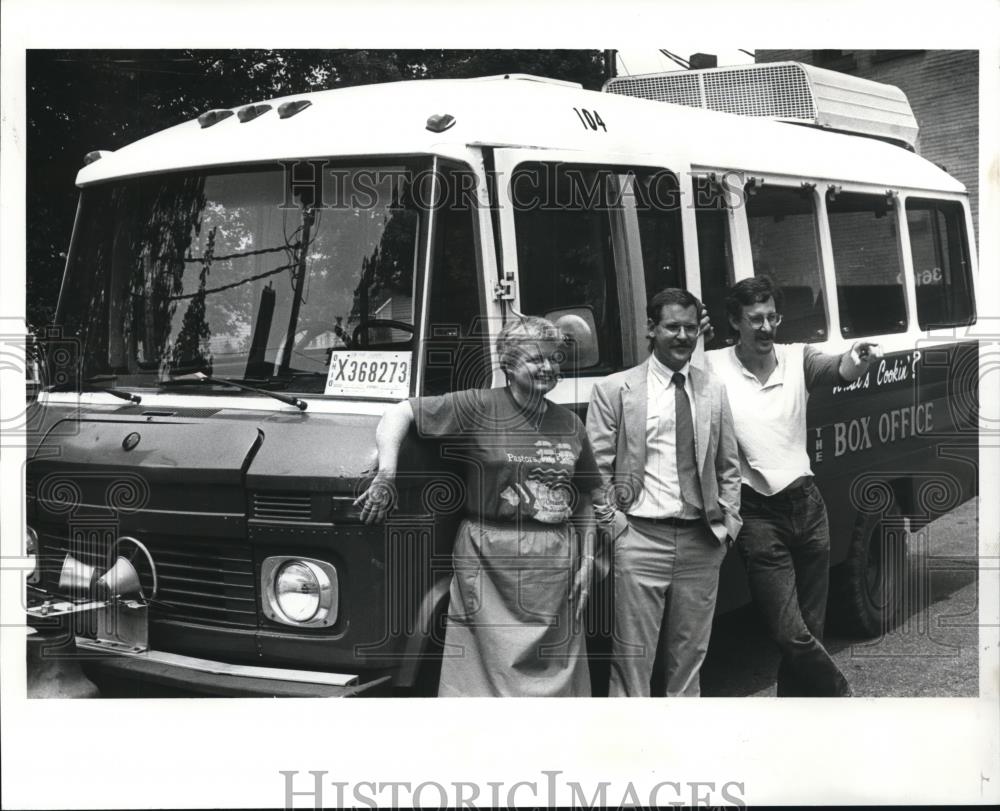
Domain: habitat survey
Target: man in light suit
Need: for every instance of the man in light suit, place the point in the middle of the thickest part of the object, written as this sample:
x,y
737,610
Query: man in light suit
x,y
663,438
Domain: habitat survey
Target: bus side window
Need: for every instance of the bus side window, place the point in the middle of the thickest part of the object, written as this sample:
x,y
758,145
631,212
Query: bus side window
x,y
870,293
456,350
565,254
940,263
715,253
785,245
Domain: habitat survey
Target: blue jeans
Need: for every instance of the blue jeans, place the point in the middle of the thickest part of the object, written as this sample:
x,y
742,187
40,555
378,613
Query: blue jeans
x,y
785,545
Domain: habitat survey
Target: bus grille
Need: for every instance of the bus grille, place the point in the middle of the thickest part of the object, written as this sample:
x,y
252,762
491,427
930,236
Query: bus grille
x,y
282,507
205,582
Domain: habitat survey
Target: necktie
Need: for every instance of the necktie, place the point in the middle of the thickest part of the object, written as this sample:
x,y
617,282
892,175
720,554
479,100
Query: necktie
x,y
687,466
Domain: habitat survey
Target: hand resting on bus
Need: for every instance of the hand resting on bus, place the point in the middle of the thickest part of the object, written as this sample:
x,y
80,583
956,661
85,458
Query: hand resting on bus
x,y
705,328
378,499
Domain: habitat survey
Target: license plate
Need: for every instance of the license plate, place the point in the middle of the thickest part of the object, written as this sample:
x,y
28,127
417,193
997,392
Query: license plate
x,y
371,374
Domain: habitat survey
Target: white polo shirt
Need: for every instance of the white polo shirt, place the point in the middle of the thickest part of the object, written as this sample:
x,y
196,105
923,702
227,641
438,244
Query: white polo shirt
x,y
661,489
770,417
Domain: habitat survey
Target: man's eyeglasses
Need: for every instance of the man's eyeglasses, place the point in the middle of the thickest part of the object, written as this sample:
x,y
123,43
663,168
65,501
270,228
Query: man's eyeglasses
x,y
677,329
757,321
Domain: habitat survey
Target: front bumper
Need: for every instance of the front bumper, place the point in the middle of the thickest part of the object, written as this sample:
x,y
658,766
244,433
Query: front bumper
x,y
218,678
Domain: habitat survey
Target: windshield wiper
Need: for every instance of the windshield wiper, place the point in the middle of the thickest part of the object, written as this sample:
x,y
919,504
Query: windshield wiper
x,y
201,377
285,380
90,385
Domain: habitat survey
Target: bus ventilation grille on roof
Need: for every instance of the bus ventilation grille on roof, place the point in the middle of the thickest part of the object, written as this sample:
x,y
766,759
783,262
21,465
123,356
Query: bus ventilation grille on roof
x,y
780,93
789,91
771,91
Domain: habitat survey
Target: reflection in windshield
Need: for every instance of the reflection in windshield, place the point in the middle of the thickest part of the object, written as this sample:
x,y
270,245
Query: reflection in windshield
x,y
228,274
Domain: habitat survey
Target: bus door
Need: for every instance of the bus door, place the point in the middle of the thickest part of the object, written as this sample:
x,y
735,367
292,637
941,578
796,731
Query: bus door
x,y
584,238
717,202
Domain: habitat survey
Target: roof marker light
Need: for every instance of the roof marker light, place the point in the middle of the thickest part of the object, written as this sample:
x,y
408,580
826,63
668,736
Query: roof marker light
x,y
290,108
251,112
439,122
96,155
213,117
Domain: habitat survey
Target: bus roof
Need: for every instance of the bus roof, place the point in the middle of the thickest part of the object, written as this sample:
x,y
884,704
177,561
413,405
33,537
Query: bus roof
x,y
391,119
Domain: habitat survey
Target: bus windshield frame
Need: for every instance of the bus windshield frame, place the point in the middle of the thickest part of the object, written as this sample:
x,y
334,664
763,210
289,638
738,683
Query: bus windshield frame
x,y
262,274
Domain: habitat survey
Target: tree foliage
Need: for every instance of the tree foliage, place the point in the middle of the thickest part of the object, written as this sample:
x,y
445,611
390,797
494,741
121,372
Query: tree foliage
x,y
81,100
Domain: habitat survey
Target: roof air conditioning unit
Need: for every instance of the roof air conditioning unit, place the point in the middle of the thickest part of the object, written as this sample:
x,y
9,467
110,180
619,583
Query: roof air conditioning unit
x,y
786,91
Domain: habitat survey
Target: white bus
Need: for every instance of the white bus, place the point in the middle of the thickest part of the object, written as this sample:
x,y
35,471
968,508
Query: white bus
x,y
246,292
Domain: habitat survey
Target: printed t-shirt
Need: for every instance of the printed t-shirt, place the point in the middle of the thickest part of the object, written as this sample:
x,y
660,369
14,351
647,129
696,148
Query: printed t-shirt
x,y
514,469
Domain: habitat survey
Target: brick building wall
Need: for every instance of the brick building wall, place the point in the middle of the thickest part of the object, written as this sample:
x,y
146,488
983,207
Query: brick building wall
x,y
943,89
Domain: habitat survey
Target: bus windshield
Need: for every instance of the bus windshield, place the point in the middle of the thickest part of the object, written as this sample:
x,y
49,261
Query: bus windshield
x,y
250,274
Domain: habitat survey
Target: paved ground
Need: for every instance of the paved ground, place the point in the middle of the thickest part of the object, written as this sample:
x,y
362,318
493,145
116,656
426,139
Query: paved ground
x,y
55,678
933,652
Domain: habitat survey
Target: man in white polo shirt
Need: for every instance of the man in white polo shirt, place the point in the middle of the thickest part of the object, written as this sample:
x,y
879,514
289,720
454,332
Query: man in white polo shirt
x,y
664,444
785,539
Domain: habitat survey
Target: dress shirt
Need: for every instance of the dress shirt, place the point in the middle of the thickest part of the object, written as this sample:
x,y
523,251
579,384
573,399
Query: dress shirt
x,y
661,490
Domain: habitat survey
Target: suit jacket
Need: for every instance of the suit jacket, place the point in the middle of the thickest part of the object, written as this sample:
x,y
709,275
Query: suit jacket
x,y
616,425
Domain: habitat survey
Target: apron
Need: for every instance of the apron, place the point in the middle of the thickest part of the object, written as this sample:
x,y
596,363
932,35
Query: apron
x,y
510,628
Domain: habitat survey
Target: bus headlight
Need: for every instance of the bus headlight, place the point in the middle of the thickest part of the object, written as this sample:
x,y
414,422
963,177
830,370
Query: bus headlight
x,y
299,591
31,551
296,591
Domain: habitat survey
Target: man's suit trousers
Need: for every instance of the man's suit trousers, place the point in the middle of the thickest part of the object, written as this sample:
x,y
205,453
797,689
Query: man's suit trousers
x,y
665,583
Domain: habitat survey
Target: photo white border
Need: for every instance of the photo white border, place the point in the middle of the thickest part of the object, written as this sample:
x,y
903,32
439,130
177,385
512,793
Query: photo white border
x,y
228,752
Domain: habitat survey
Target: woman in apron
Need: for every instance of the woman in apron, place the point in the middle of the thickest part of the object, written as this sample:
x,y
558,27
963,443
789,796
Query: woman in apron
x,y
523,555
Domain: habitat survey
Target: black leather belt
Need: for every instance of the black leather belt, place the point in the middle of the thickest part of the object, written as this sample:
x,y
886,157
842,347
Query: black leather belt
x,y
796,488
669,522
